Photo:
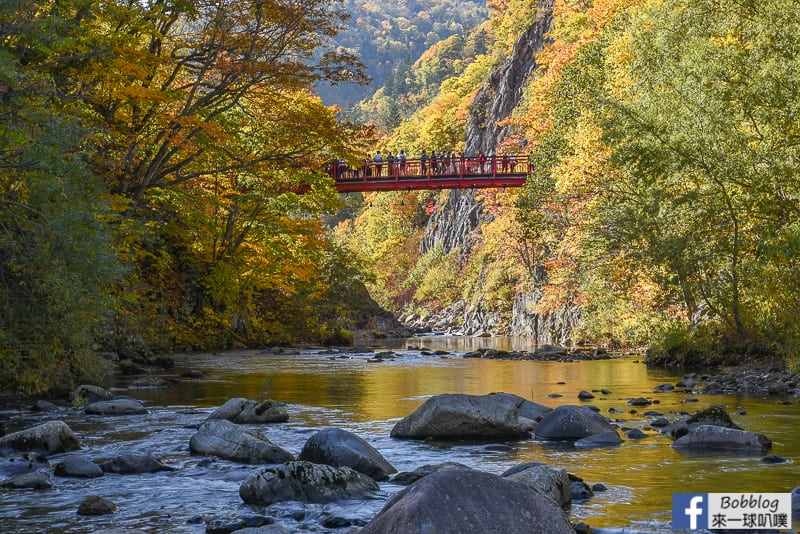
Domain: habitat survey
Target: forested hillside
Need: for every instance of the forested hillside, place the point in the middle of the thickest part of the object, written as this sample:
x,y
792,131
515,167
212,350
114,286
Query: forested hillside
x,y
389,36
664,206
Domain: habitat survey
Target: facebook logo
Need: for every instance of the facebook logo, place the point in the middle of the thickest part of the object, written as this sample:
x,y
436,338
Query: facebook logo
x,y
689,511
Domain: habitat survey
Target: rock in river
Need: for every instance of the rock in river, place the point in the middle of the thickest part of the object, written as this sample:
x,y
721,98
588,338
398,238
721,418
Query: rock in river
x,y
79,467
118,406
305,482
542,478
468,501
36,480
572,422
26,462
87,393
235,443
717,438
459,416
51,437
134,463
245,411
605,439
713,415
336,447
96,505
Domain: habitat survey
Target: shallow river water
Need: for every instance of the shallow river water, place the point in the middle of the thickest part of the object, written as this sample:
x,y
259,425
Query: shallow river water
x,y
348,392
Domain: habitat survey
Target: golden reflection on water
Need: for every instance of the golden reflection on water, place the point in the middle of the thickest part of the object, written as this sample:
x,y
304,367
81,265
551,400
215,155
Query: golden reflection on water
x,y
640,475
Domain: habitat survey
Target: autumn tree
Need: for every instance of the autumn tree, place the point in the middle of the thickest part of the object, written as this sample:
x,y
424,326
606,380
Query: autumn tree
x,y
699,120
56,259
197,117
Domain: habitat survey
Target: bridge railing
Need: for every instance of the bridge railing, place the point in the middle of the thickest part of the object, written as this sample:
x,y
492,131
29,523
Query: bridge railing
x,y
436,169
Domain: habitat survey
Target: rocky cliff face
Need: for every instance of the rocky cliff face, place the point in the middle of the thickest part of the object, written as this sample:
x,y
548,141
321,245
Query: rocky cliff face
x,y
453,224
456,223
503,90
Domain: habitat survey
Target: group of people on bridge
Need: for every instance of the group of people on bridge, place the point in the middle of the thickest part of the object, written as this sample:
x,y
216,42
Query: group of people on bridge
x,y
396,166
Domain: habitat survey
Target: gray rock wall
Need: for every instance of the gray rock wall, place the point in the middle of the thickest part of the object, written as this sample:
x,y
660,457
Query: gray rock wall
x,y
456,223
503,90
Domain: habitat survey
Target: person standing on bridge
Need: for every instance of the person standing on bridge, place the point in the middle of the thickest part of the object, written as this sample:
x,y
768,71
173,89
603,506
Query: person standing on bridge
x,y
481,161
401,158
390,159
378,159
423,163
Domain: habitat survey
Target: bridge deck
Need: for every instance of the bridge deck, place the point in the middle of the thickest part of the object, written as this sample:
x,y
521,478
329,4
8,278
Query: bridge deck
x,y
447,173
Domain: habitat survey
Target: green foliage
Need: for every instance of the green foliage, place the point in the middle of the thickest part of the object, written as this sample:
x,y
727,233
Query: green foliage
x,y
56,261
433,277
665,184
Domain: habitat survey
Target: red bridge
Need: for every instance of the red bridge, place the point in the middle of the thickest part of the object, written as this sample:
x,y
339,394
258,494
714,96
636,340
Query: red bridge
x,y
439,173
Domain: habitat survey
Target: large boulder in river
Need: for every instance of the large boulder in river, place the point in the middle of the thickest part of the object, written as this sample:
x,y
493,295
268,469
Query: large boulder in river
x,y
235,443
337,447
51,437
717,438
542,478
572,423
465,501
244,411
305,482
118,406
459,416
713,415
87,393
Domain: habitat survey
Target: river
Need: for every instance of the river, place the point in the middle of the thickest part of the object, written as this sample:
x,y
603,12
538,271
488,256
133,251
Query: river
x,y
346,391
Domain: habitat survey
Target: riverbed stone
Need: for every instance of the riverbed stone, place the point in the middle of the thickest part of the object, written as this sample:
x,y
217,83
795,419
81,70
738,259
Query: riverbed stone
x,y
337,447
79,467
544,479
580,490
459,416
550,350
635,434
717,438
796,502
134,463
34,480
465,500
151,382
266,529
713,415
44,406
604,439
572,423
96,505
236,443
245,411
51,437
26,462
118,406
87,394
409,477
305,482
